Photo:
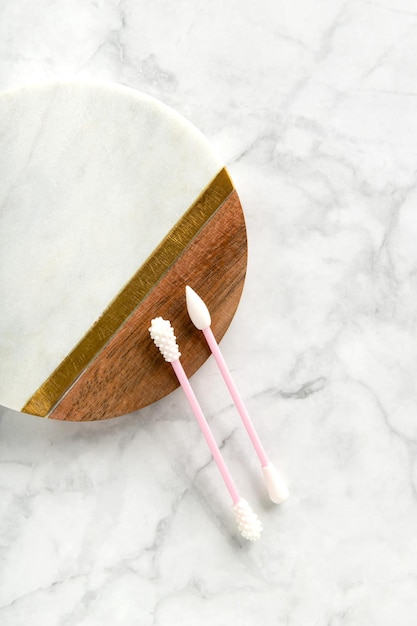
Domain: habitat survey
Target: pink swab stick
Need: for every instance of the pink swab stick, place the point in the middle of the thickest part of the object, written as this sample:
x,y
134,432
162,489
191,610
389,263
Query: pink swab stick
x,y
200,316
162,334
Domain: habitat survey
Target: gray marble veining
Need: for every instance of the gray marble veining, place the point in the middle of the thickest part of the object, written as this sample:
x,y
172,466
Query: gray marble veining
x,y
313,107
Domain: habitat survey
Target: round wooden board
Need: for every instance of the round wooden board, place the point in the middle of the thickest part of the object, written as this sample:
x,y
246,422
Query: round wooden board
x,y
110,204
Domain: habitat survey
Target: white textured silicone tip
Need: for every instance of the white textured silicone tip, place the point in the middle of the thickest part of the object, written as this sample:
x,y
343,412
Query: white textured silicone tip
x,y
275,484
197,310
162,333
247,521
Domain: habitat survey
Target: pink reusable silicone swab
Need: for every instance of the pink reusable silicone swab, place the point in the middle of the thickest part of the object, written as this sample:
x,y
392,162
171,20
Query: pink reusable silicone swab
x,y
200,316
208,435
162,333
214,347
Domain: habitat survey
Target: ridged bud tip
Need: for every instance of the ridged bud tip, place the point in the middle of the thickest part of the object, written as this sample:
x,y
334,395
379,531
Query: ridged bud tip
x,y
163,336
247,521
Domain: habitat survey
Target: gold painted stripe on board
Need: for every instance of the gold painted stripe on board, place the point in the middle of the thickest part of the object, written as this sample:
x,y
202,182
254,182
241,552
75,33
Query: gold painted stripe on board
x,y
148,275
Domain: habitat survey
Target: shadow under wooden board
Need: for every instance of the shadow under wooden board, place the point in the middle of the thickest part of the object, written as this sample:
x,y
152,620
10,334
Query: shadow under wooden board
x,y
110,204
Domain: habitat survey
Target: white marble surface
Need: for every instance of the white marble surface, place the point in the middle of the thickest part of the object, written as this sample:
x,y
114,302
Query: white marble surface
x,y
313,106
93,177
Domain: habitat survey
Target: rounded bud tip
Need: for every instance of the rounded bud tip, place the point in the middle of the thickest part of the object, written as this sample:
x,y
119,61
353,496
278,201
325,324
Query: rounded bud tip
x,y
197,310
275,484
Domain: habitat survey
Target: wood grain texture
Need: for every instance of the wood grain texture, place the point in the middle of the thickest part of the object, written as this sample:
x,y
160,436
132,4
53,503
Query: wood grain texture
x,y
129,372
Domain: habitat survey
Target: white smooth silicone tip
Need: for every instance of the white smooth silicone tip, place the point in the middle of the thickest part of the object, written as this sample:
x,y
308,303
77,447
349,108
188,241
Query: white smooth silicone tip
x,y
275,484
247,521
162,333
197,310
